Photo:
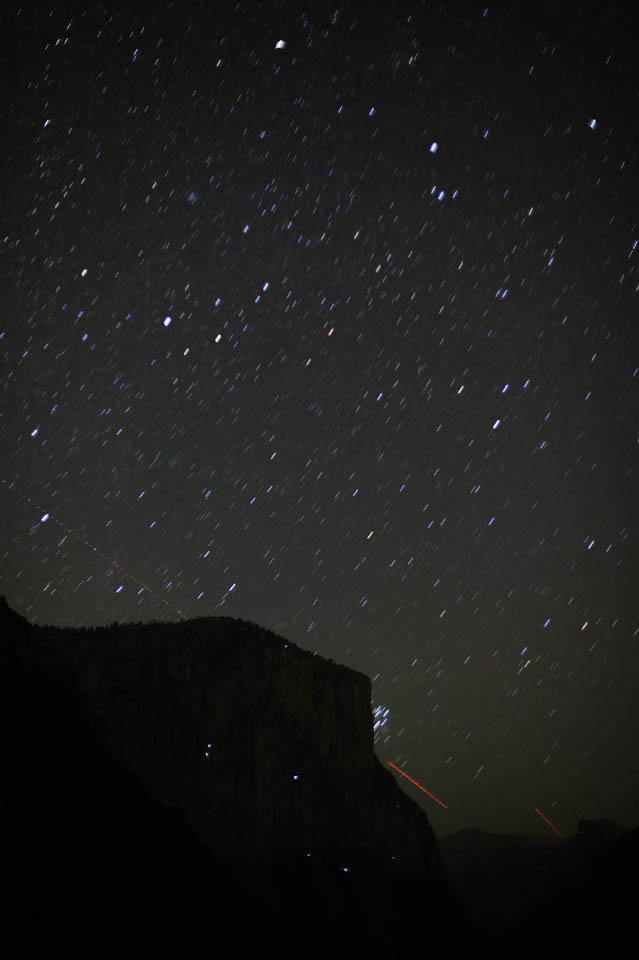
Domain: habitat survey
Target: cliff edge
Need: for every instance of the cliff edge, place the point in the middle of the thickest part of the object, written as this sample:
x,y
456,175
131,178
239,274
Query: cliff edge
x,y
209,770
266,748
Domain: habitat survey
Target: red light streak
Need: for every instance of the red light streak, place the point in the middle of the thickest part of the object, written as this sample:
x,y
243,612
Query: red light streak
x,y
86,543
551,825
431,795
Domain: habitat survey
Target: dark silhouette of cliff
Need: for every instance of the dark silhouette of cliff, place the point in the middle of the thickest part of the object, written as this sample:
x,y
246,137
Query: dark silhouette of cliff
x,y
172,779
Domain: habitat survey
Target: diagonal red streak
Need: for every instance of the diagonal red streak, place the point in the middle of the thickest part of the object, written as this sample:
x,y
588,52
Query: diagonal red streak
x,y
431,795
81,539
551,825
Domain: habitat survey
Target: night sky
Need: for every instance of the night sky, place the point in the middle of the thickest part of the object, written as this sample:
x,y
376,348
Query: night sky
x,y
327,318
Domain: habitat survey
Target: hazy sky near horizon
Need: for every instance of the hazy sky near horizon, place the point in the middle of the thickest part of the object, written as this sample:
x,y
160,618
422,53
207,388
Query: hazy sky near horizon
x,y
327,318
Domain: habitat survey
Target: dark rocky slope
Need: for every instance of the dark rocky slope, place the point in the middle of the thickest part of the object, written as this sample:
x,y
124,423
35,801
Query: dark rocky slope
x,y
91,862
285,829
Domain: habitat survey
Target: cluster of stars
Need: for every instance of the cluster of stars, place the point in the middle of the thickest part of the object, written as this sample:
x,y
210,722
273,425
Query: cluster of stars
x,y
330,323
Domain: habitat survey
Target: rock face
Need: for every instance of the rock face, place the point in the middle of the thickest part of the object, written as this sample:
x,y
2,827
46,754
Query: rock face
x,y
265,748
169,780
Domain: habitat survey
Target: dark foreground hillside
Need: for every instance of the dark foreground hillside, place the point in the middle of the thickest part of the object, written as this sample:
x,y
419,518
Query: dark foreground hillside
x,y
173,782
549,897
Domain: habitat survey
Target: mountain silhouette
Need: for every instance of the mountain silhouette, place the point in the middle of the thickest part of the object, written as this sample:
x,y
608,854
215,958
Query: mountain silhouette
x,y
548,896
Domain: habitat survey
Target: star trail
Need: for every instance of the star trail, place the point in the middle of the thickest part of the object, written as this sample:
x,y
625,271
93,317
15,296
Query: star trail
x,y
326,318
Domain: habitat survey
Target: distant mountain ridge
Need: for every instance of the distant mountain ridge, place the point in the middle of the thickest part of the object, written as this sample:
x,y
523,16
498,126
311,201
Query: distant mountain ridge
x,y
568,896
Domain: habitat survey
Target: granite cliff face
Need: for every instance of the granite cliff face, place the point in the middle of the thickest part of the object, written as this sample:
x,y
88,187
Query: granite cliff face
x,y
265,748
170,781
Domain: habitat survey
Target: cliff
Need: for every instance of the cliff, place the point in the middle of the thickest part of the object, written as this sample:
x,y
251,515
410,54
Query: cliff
x,y
217,764
266,748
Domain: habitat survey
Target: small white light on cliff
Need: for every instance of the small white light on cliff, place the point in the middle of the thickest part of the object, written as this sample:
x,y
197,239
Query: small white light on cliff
x,y
296,776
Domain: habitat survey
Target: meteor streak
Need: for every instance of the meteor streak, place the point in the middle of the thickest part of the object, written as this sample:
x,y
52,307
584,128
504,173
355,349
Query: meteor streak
x,y
551,825
431,795
45,516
